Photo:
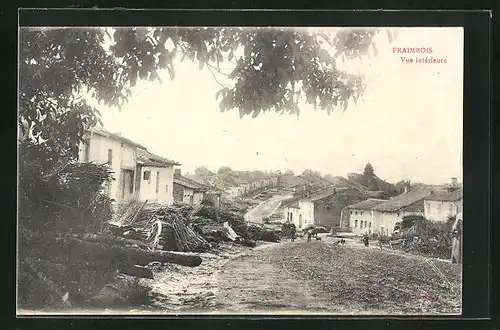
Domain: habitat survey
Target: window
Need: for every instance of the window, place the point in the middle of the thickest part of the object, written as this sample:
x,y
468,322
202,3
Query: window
x,y
451,208
166,188
361,213
351,212
429,207
147,175
356,224
110,156
356,212
157,182
439,208
370,225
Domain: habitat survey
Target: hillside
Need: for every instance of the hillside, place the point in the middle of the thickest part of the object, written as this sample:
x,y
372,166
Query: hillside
x,y
231,178
341,182
374,183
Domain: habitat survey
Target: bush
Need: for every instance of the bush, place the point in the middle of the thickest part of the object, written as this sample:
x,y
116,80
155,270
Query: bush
x,y
65,195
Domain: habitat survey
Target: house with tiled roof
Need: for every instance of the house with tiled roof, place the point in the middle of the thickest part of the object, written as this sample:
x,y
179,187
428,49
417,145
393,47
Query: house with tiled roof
x,y
186,190
386,215
360,215
138,173
322,207
438,206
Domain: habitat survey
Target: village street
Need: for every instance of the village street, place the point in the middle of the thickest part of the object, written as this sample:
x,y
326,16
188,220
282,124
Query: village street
x,y
265,208
313,277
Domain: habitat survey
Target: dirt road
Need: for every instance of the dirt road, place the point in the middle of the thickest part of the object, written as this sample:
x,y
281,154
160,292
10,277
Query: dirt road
x,y
265,208
311,277
322,278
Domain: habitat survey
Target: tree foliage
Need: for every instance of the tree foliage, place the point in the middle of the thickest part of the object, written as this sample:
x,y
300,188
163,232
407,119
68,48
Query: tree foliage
x,y
273,69
309,173
203,171
368,171
224,170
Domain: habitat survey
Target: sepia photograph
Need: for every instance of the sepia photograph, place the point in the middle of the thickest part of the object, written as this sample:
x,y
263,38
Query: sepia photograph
x,y
169,170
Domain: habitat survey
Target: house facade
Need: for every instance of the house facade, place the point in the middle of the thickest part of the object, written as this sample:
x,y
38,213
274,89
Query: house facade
x,y
299,212
156,180
322,208
386,215
237,187
138,173
440,205
186,190
361,216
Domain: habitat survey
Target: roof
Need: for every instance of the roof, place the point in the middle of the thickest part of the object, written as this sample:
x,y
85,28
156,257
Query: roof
x,y
146,158
186,182
317,195
367,204
398,202
323,193
446,196
103,132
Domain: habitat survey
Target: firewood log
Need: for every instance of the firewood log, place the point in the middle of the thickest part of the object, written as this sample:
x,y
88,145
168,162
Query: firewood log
x,y
87,250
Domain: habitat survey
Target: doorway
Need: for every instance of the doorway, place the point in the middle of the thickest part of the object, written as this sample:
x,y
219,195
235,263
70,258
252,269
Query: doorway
x,y
127,184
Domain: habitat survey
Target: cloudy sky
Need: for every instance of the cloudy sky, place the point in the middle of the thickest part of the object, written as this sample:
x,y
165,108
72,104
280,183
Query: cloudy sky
x,y
409,125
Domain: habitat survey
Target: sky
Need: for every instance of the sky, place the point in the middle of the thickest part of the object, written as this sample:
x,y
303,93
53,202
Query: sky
x,y
409,125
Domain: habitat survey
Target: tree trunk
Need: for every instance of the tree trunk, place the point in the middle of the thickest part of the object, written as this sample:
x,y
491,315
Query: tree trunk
x,y
137,272
127,255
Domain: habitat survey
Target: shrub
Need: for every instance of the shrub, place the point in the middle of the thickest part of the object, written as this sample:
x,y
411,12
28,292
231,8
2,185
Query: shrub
x,y
65,195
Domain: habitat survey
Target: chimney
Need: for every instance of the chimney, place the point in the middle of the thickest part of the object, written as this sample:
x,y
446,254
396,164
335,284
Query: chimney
x,y
405,189
177,172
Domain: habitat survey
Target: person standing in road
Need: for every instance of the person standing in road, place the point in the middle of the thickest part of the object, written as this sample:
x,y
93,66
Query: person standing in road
x,y
309,234
293,231
366,239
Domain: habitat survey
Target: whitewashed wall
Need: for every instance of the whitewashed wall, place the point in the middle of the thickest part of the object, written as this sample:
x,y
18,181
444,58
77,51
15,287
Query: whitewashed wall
x,y
148,187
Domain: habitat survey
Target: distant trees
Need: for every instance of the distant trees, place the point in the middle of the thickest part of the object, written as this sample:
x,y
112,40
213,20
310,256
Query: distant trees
x,y
289,172
329,177
203,171
311,173
224,169
368,171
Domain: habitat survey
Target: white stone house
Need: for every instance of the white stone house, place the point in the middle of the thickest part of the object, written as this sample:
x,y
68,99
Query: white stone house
x,y
361,216
440,205
386,215
138,173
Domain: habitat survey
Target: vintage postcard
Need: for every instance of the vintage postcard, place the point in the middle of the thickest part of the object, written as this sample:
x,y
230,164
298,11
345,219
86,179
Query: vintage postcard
x,y
240,170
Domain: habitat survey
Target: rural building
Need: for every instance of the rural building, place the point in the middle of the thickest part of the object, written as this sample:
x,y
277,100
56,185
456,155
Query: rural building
x,y
440,205
138,173
299,211
387,214
360,215
322,208
186,190
293,183
240,183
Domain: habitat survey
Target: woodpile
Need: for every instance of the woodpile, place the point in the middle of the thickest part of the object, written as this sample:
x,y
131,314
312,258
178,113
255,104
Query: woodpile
x,y
184,228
